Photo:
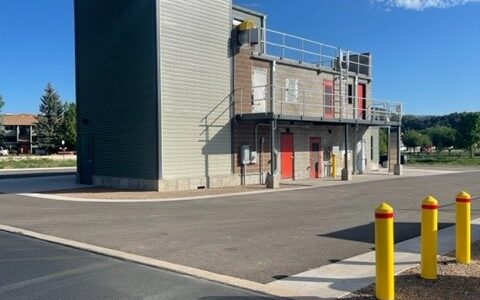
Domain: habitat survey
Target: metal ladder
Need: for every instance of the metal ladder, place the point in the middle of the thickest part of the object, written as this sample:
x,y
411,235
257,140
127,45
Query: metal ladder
x,y
343,67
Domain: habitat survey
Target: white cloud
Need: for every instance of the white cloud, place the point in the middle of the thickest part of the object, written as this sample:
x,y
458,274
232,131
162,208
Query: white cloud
x,y
424,4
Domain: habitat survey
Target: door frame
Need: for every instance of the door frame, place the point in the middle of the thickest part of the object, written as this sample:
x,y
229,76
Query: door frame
x,y
282,153
259,104
316,173
362,110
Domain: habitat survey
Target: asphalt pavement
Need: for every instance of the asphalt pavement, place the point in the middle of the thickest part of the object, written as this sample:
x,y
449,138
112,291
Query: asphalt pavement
x,y
259,237
34,269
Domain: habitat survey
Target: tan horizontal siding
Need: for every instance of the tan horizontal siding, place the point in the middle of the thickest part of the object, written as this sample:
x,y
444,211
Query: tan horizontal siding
x,y
195,87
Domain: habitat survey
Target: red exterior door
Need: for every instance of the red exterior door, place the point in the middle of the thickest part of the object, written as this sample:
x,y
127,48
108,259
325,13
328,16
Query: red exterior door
x,y
328,99
362,101
316,158
287,155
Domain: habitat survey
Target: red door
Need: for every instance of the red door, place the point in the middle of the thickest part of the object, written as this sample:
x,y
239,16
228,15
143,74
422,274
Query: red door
x,y
328,99
286,149
316,158
362,101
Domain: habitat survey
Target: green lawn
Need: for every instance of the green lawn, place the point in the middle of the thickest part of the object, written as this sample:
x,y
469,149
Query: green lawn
x,y
434,159
36,163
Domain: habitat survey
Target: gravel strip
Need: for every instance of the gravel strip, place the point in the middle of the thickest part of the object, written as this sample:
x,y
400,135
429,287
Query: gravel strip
x,y
117,194
454,281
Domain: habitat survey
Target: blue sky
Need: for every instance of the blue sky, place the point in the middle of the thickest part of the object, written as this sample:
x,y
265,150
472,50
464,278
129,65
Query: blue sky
x,y
426,52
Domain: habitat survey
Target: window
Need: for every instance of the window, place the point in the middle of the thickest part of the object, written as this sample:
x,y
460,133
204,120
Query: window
x,y
9,127
350,94
291,90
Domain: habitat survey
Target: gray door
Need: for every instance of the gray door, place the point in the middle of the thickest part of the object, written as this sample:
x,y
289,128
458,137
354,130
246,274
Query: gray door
x,y
86,159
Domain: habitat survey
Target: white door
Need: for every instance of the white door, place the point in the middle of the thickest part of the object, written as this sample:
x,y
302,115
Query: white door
x,y
259,91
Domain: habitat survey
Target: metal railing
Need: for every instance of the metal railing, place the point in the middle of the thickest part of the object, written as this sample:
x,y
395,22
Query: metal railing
x,y
306,104
298,49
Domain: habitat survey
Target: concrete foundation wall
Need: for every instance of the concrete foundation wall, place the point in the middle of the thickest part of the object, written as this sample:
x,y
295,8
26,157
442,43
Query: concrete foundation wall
x,y
171,185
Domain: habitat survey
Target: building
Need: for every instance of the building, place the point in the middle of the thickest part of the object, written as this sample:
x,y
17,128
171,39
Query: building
x,y
20,133
177,95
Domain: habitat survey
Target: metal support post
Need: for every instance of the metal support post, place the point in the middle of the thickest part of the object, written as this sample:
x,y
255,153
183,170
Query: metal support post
x,y
429,238
463,230
398,166
384,253
345,171
272,180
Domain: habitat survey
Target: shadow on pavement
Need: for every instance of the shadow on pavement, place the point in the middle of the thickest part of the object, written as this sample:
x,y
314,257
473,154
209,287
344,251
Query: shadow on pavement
x,y
366,233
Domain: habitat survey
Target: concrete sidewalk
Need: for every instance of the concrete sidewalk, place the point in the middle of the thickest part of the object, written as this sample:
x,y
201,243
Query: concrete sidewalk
x,y
38,184
36,172
56,188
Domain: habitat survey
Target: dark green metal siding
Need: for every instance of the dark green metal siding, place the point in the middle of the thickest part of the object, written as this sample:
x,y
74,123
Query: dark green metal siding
x,y
117,85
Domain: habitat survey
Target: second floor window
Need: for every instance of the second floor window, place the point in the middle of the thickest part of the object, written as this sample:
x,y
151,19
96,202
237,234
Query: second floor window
x,y
291,90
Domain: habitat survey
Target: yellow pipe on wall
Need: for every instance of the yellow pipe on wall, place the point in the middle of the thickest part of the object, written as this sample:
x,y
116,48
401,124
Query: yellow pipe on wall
x,y
334,166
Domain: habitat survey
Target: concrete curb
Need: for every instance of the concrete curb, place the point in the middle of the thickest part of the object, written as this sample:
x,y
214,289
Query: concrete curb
x,y
188,198
185,270
92,200
341,279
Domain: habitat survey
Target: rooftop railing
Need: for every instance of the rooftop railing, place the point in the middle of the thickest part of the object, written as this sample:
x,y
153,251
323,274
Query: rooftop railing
x,y
306,51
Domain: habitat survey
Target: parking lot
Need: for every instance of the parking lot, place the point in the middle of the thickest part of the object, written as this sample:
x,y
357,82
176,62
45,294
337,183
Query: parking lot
x,y
259,237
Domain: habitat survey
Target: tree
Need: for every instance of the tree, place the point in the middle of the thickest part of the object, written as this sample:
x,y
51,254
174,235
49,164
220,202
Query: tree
x,y
69,126
441,136
468,135
2,133
50,120
414,139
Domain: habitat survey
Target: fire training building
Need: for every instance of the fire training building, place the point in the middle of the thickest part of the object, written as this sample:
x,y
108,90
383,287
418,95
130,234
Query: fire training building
x,y
176,95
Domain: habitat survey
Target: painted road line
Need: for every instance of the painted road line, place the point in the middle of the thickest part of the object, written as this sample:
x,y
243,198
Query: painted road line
x,y
349,275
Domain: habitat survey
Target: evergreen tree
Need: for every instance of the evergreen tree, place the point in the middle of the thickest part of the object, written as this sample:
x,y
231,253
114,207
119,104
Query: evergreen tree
x,y
50,120
69,126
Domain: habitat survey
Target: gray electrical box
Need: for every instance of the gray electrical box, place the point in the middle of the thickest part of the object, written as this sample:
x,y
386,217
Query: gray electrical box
x,y
250,36
245,154
253,157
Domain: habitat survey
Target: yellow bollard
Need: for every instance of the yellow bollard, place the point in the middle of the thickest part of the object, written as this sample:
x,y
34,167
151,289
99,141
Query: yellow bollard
x,y
334,166
463,228
429,238
384,253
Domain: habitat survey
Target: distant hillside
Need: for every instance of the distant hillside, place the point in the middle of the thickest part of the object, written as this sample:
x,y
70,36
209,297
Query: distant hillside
x,y
412,122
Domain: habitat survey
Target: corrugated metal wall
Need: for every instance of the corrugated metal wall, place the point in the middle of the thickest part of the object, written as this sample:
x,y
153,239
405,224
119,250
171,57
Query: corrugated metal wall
x,y
195,86
116,85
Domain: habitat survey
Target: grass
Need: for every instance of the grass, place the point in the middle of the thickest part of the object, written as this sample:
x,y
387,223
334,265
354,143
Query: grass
x,y
36,163
434,159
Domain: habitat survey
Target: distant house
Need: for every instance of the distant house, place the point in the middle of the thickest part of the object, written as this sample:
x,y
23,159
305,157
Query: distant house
x,y
20,133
